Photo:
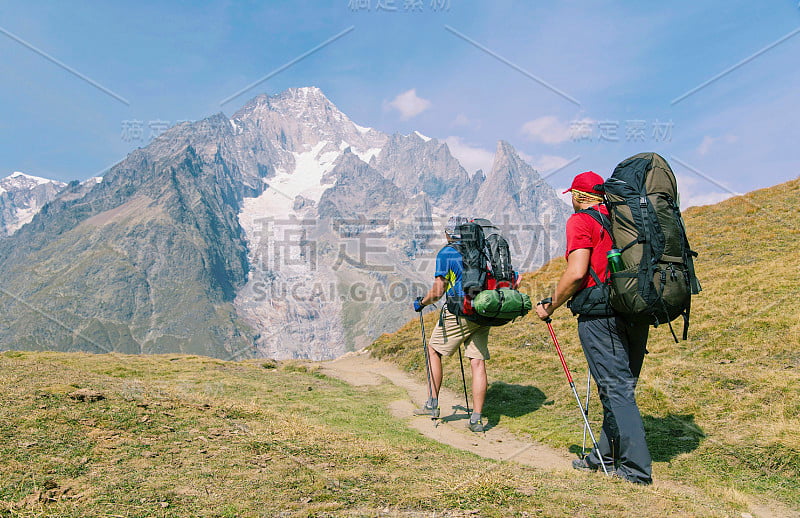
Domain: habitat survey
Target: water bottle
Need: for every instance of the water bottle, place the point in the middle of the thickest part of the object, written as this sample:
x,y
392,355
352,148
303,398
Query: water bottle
x,y
615,263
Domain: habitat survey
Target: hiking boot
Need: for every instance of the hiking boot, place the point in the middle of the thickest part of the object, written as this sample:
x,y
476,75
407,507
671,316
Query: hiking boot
x,y
584,465
433,413
476,427
620,475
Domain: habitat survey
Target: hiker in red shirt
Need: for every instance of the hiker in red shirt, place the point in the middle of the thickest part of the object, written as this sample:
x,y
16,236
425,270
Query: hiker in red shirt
x,y
614,348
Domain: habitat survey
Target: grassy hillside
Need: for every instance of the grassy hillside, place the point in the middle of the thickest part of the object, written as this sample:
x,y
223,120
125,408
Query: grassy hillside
x,y
193,436
721,410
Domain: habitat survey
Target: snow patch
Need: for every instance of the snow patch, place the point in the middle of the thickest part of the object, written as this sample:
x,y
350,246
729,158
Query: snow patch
x,y
367,155
278,199
23,216
362,129
38,180
420,135
305,90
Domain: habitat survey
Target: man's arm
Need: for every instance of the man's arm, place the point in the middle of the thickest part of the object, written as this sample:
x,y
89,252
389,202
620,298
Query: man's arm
x,y
571,280
436,291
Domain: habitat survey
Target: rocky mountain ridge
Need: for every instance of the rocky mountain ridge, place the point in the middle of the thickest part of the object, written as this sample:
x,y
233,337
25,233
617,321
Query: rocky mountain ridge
x,y
286,230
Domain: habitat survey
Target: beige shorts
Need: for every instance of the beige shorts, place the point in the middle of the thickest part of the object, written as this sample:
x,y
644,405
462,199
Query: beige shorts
x,y
446,338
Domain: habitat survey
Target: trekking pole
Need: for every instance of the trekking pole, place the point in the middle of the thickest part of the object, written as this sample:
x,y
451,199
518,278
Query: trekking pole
x,y
549,322
427,359
463,379
586,411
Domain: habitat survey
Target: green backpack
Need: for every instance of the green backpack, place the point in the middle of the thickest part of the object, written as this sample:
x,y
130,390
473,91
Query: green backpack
x,y
658,280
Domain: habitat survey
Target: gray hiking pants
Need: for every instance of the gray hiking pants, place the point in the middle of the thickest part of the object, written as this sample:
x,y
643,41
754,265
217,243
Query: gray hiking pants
x,y
615,352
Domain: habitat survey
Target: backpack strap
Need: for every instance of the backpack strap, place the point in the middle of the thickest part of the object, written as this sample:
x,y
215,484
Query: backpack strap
x,y
604,222
594,275
455,247
686,319
600,218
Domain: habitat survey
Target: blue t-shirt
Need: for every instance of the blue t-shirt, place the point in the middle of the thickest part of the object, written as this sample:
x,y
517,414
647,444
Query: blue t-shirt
x,y
450,266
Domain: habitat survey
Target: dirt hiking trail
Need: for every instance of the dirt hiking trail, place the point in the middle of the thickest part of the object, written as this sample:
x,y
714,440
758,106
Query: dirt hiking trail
x,y
360,369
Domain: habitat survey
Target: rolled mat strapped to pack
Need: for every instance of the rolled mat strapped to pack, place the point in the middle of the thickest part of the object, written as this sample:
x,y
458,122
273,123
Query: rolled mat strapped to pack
x,y
505,303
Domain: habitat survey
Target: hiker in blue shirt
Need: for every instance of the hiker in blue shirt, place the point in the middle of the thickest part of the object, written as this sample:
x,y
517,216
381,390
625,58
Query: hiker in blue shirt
x,y
452,331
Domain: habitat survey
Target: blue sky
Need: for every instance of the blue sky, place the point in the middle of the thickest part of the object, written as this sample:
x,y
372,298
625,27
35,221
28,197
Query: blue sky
x,y
580,83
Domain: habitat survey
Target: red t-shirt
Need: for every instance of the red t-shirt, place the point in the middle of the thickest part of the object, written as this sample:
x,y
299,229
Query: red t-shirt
x,y
583,231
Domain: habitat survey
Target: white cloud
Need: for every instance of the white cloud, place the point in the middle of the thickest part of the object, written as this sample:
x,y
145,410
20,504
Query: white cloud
x,y
547,163
709,141
705,146
694,191
462,121
704,199
525,156
544,163
408,104
548,129
471,158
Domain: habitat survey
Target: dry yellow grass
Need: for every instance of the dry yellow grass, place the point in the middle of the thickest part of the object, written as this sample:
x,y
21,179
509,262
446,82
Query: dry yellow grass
x,y
190,436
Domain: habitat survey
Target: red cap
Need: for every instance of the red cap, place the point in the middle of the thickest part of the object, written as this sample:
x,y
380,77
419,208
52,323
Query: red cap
x,y
587,182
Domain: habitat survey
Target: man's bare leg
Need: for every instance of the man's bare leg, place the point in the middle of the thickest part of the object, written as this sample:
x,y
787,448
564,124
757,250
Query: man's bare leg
x,y
479,386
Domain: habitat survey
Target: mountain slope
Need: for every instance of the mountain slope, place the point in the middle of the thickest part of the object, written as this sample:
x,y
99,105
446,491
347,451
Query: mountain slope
x,y
417,165
525,207
141,264
721,409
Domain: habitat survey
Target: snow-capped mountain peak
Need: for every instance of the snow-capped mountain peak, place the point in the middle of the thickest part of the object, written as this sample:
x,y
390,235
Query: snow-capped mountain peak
x,y
299,118
22,196
28,179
